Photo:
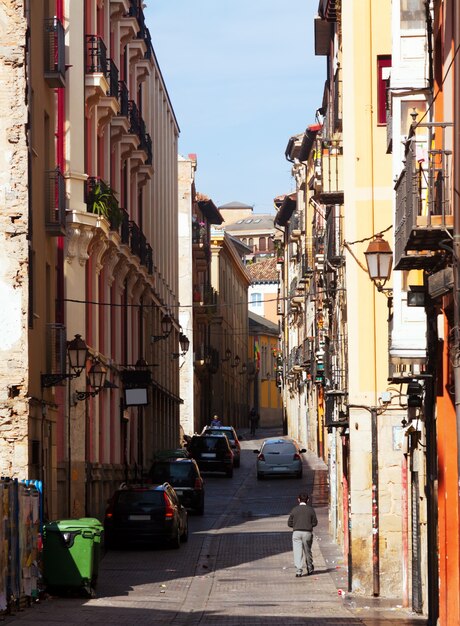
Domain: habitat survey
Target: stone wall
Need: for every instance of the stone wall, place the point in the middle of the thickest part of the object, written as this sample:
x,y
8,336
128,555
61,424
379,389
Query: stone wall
x,y
14,225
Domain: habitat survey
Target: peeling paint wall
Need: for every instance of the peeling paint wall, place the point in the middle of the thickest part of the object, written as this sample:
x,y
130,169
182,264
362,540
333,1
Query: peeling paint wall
x,y
13,242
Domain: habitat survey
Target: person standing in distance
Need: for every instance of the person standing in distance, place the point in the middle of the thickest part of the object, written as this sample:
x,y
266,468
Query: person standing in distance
x,y
302,520
216,421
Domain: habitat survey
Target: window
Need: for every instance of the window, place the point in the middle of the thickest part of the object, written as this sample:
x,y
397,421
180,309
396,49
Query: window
x,y
256,300
262,244
383,77
412,15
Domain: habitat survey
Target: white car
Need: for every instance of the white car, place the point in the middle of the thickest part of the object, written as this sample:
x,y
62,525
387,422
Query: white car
x,y
279,456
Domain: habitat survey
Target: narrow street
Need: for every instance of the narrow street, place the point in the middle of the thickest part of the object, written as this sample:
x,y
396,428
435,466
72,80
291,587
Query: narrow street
x,y
236,567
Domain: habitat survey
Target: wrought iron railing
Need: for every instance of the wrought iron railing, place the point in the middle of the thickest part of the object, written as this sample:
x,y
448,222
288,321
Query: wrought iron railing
x,y
123,98
54,52
96,55
55,202
112,77
134,118
423,191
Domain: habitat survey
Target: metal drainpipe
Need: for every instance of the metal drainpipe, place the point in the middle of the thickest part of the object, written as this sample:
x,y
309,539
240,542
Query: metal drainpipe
x,y
456,242
375,505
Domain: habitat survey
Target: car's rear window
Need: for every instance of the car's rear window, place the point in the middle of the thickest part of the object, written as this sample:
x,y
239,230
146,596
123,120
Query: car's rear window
x,y
283,447
173,473
134,498
227,433
208,443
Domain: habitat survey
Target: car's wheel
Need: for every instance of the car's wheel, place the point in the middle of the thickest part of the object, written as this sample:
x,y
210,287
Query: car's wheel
x,y
200,510
298,475
260,476
229,473
236,463
184,537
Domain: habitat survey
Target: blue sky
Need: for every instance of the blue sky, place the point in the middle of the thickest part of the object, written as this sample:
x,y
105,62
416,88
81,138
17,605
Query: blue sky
x,y
243,78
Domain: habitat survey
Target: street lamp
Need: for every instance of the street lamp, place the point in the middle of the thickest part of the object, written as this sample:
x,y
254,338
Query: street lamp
x,y
244,368
228,354
166,328
236,361
77,351
184,343
379,257
96,379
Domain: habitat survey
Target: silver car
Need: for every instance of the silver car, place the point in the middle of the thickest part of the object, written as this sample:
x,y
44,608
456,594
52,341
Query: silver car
x,y
279,456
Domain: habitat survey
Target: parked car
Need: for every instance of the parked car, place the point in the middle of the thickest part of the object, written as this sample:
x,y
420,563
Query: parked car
x,y
184,475
171,453
145,514
279,456
231,435
212,453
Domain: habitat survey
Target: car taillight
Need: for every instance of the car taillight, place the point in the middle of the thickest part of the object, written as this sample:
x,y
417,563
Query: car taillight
x,y
169,509
109,513
261,457
297,457
229,454
198,483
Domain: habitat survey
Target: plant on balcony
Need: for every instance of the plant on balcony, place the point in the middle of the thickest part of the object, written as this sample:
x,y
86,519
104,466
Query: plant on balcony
x,y
103,202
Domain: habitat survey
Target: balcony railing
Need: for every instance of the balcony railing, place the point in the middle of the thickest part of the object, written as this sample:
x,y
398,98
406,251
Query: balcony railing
x,y
96,55
54,62
123,98
146,145
423,199
134,118
55,203
112,77
328,180
124,227
334,236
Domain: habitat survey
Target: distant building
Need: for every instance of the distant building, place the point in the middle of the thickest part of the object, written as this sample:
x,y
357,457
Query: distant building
x,y
253,229
263,291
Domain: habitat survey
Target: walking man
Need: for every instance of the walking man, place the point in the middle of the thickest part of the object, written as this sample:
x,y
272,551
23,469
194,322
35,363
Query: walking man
x,y
302,520
253,420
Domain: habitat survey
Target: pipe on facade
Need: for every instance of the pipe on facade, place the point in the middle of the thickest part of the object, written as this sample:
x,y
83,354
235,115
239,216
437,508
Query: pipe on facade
x,y
405,533
375,505
456,238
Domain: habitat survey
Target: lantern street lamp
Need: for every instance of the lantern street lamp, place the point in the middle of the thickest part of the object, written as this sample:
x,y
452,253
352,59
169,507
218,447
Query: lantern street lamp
x,y
77,351
184,344
166,328
96,380
236,361
379,257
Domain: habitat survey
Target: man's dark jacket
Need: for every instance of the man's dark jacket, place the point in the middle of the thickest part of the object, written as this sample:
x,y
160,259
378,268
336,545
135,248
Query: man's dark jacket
x,y
302,517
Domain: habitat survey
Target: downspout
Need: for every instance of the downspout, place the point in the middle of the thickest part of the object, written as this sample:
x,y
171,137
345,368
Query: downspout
x,y
456,239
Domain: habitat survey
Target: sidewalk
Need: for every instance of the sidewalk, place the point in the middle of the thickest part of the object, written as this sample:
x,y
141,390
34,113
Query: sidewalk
x,y
329,559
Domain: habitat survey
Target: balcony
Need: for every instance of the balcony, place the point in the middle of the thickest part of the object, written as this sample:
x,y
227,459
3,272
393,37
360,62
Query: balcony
x,y
55,203
333,238
54,62
306,263
424,217
102,200
205,303
101,81
133,238
295,229
328,177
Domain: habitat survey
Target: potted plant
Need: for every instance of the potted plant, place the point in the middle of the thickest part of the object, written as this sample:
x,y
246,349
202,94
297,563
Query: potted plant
x,y
103,202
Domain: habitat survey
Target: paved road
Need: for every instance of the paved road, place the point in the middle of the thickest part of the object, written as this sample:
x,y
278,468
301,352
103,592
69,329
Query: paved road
x,y
236,568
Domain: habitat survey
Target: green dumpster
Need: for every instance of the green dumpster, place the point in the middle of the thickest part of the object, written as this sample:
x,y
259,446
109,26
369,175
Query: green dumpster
x,y
71,553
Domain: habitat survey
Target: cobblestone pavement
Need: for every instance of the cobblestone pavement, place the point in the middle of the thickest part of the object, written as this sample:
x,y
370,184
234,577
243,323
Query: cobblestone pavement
x,y
236,568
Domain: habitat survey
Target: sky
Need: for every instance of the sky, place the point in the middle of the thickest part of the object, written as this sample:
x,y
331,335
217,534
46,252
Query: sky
x,y
242,78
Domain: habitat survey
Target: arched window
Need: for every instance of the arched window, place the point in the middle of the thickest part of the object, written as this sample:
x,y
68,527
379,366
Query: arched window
x,y
262,244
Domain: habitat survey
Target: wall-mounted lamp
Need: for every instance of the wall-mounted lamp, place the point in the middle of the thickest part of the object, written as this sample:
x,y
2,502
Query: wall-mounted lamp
x,y
77,351
166,328
184,343
244,368
96,380
236,361
379,258
228,355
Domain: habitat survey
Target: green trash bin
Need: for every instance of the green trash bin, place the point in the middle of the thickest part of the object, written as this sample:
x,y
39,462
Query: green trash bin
x,y
71,553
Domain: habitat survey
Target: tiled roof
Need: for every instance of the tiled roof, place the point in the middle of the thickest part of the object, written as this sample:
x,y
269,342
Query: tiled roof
x,y
263,270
